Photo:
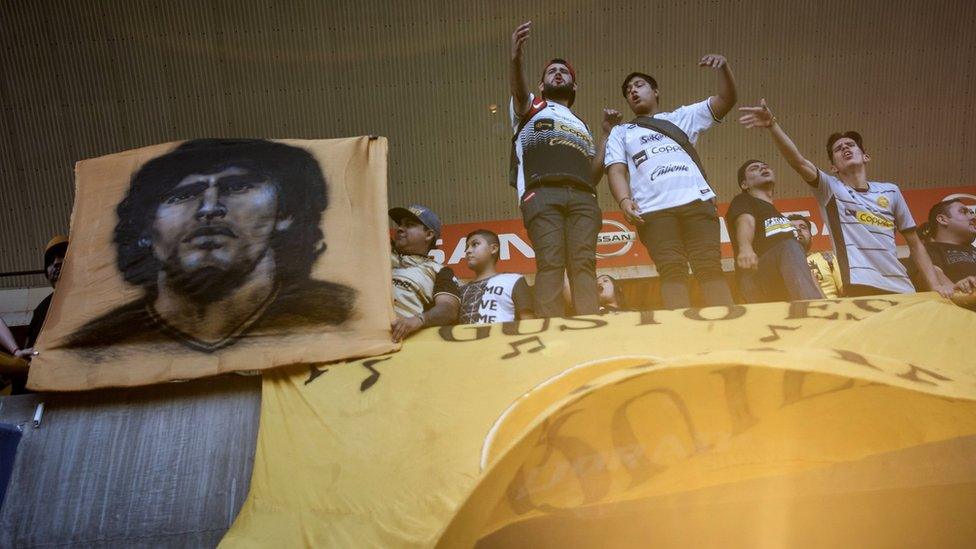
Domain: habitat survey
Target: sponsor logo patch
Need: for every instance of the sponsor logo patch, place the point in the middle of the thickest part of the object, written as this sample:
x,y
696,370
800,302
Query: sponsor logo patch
x,y
868,218
639,158
668,169
544,125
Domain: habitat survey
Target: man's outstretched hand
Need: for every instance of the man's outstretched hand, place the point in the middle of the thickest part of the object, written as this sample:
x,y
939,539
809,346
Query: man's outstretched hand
x,y
404,326
519,37
713,61
757,117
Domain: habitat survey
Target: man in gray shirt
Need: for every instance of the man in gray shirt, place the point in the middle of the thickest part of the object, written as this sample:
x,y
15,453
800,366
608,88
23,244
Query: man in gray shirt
x,y
863,215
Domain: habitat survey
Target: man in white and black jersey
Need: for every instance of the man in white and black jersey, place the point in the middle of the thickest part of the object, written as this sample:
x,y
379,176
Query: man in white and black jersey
x,y
667,196
862,215
492,296
556,166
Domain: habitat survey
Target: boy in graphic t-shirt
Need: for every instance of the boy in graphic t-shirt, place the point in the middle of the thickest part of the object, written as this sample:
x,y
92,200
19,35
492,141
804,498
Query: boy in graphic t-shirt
x,y
770,263
862,215
667,196
492,296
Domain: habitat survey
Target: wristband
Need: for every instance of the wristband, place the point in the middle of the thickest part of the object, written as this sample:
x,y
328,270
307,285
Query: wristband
x,y
423,319
621,201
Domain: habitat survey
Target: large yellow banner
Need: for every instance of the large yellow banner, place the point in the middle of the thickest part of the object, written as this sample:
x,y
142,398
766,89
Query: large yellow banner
x,y
784,424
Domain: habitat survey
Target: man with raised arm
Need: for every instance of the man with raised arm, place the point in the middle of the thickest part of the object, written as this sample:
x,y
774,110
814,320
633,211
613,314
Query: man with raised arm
x,y
863,215
555,168
668,197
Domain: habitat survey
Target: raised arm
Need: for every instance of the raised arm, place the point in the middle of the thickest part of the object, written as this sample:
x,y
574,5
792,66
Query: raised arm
x,y
516,76
762,117
725,99
611,118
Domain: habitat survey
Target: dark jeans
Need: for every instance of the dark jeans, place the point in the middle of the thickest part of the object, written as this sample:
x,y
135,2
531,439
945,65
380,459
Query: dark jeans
x,y
783,275
681,235
563,223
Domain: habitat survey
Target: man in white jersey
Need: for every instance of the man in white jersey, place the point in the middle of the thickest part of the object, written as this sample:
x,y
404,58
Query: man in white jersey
x,y
492,296
863,215
555,168
667,196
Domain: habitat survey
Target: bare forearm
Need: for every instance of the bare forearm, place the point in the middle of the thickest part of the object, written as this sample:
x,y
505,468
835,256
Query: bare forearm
x,y
788,150
596,165
441,314
745,232
617,179
518,87
7,339
727,95
918,254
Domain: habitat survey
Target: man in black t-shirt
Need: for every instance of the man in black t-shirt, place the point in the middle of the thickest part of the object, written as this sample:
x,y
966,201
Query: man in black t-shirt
x,y
952,226
770,264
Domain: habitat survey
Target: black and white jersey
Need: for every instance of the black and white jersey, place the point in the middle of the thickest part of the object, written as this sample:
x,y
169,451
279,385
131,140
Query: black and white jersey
x,y
495,299
554,145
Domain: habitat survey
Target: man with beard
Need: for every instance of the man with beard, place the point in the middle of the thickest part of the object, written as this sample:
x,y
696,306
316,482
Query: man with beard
x,y
770,264
555,169
221,235
863,215
658,181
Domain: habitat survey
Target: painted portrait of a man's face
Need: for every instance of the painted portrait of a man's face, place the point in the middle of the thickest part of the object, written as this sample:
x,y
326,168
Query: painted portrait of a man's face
x,y
194,258
221,235
214,228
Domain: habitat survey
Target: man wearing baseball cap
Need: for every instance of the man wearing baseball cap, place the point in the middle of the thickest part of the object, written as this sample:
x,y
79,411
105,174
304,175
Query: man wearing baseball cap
x,y
555,167
54,253
425,293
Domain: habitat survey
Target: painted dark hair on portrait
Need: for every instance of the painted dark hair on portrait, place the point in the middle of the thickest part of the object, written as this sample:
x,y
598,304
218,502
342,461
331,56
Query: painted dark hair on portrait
x,y
301,192
222,235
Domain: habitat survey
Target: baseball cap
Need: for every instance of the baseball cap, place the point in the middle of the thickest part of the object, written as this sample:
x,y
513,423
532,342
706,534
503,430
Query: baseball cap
x,y
420,213
58,245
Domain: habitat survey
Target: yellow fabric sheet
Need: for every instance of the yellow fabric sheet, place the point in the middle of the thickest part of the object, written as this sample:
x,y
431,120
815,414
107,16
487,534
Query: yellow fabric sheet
x,y
196,258
832,421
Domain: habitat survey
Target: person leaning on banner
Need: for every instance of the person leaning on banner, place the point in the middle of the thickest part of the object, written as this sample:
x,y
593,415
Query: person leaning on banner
x,y
425,293
555,166
952,227
54,254
492,296
16,374
863,215
823,265
668,197
770,264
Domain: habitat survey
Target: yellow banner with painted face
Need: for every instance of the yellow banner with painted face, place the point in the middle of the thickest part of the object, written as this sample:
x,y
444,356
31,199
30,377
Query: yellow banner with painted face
x,y
810,423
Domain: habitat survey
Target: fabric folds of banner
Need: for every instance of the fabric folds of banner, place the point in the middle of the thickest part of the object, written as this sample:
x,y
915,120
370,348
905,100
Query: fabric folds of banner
x,y
832,421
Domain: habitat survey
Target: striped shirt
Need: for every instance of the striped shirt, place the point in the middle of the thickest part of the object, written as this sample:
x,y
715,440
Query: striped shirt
x,y
862,227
